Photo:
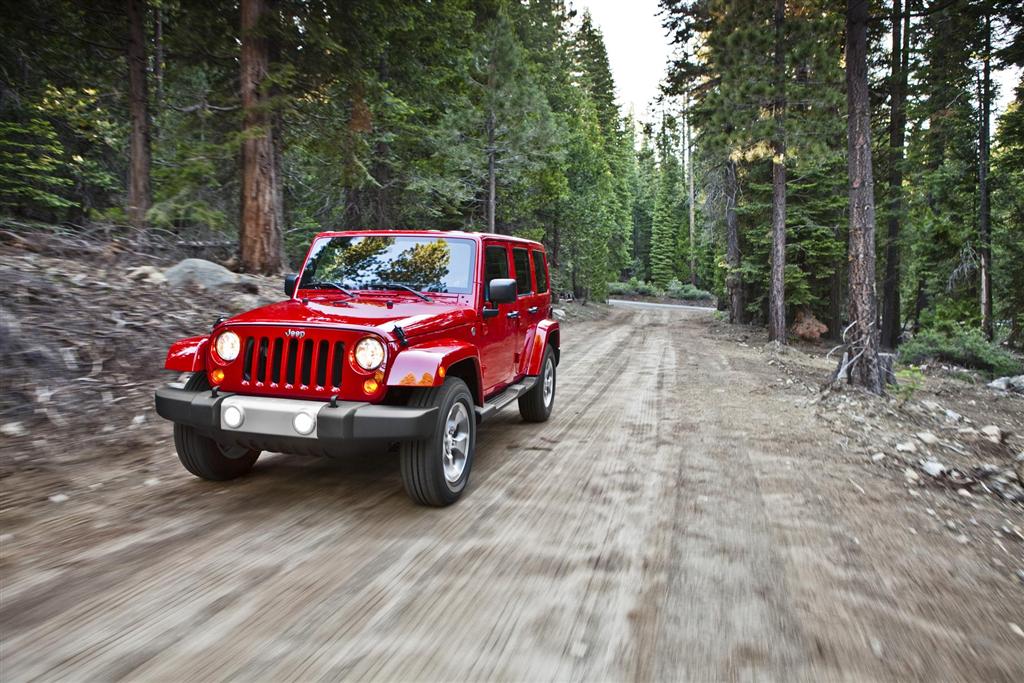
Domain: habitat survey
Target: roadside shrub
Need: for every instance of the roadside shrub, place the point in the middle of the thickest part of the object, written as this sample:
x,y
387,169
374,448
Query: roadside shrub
x,y
647,289
968,348
619,288
679,290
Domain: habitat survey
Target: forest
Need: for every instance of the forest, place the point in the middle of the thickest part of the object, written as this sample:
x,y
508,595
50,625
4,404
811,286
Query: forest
x,y
261,122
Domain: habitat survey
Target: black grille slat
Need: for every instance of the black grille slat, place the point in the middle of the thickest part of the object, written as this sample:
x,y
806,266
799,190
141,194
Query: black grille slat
x,y
247,360
339,357
275,361
293,349
261,360
321,362
307,362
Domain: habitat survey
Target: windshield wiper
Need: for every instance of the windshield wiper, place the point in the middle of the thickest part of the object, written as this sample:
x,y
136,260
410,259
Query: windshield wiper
x,y
320,284
399,285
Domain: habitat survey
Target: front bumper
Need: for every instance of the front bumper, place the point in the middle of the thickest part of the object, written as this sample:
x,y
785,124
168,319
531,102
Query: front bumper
x,y
267,422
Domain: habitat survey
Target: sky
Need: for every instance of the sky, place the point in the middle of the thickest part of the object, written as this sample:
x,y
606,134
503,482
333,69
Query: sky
x,y
637,48
638,52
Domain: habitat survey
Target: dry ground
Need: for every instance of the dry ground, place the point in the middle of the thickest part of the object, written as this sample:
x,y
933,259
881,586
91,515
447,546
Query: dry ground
x,y
685,514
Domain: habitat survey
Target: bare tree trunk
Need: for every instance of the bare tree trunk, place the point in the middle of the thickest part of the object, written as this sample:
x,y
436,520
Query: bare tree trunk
x,y
492,204
139,197
158,58
262,210
689,185
734,279
777,291
985,217
863,338
891,317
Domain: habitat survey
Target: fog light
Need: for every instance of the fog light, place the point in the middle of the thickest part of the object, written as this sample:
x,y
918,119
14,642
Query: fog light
x,y
304,423
370,386
217,376
233,416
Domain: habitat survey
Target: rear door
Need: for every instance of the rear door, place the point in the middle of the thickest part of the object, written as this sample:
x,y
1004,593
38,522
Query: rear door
x,y
526,304
498,332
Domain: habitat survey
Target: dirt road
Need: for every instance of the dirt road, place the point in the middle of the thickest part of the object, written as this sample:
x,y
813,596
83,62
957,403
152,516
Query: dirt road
x,y
680,517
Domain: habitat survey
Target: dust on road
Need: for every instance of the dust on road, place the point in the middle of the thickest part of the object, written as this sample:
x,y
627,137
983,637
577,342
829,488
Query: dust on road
x,y
676,519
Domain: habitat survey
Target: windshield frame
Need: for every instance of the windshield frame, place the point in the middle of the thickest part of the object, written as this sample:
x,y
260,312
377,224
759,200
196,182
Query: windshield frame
x,y
315,248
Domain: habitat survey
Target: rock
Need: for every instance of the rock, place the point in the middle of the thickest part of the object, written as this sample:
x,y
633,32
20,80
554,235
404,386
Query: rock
x,y
1020,575
13,429
196,271
139,419
910,474
147,274
933,468
878,457
244,302
953,416
58,498
1015,384
906,447
962,539
806,326
153,481
964,492
558,313
993,433
928,438
932,406
1016,629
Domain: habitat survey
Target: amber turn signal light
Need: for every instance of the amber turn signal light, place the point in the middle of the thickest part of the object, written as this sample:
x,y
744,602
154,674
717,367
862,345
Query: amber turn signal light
x,y
370,386
217,376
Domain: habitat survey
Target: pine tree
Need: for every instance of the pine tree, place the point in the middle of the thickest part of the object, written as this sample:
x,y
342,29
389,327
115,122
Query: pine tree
x,y
665,228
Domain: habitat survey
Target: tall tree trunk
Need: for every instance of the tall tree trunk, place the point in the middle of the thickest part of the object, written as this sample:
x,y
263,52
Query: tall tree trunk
x,y
689,192
863,307
139,198
492,204
985,217
891,317
777,291
734,279
158,59
262,210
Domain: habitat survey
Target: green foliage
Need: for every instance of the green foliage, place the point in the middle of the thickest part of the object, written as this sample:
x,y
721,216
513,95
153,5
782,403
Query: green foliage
x,y
908,381
966,347
686,291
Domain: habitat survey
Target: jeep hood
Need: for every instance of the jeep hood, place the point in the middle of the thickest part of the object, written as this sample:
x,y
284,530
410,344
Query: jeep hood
x,y
413,317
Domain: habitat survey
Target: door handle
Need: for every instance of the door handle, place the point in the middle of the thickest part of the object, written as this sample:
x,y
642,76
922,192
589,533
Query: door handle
x,y
532,309
512,314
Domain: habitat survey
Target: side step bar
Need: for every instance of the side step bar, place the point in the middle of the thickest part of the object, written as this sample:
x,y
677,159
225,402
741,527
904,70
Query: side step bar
x,y
492,405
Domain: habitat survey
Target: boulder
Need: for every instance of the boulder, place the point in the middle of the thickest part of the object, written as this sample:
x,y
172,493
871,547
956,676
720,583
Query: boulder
x,y
807,327
146,274
1015,384
196,271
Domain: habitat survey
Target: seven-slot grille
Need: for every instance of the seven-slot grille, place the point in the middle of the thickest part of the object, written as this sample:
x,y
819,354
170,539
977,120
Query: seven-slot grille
x,y
308,363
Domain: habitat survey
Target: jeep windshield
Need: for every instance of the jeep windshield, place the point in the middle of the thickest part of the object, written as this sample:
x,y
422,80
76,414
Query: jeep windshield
x,y
423,264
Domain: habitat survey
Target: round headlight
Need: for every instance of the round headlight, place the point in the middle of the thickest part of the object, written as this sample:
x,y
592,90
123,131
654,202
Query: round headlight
x,y
369,353
228,345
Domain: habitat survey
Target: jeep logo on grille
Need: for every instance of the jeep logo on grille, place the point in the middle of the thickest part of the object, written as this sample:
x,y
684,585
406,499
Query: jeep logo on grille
x,y
297,334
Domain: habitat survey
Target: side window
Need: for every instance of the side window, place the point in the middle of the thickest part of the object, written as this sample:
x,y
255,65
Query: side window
x,y
540,267
521,259
495,266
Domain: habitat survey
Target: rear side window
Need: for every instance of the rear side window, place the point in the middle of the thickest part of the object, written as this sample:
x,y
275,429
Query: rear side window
x,y
521,258
540,267
495,266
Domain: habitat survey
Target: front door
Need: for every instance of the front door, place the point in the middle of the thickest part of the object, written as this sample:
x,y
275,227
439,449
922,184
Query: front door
x,y
498,332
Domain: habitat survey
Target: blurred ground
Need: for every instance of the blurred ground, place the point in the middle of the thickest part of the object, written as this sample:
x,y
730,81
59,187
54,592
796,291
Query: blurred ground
x,y
695,509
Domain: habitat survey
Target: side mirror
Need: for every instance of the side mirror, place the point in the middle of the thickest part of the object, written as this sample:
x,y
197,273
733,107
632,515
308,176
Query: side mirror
x,y
289,283
502,290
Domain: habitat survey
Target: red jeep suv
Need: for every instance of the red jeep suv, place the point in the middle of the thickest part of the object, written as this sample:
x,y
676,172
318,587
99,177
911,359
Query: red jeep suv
x,y
407,337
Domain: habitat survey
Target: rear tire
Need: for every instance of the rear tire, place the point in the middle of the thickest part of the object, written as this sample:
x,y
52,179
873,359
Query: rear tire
x,y
204,457
435,470
536,404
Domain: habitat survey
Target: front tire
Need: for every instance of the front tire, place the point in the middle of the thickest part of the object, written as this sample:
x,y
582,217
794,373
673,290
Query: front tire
x,y
204,457
435,470
536,404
